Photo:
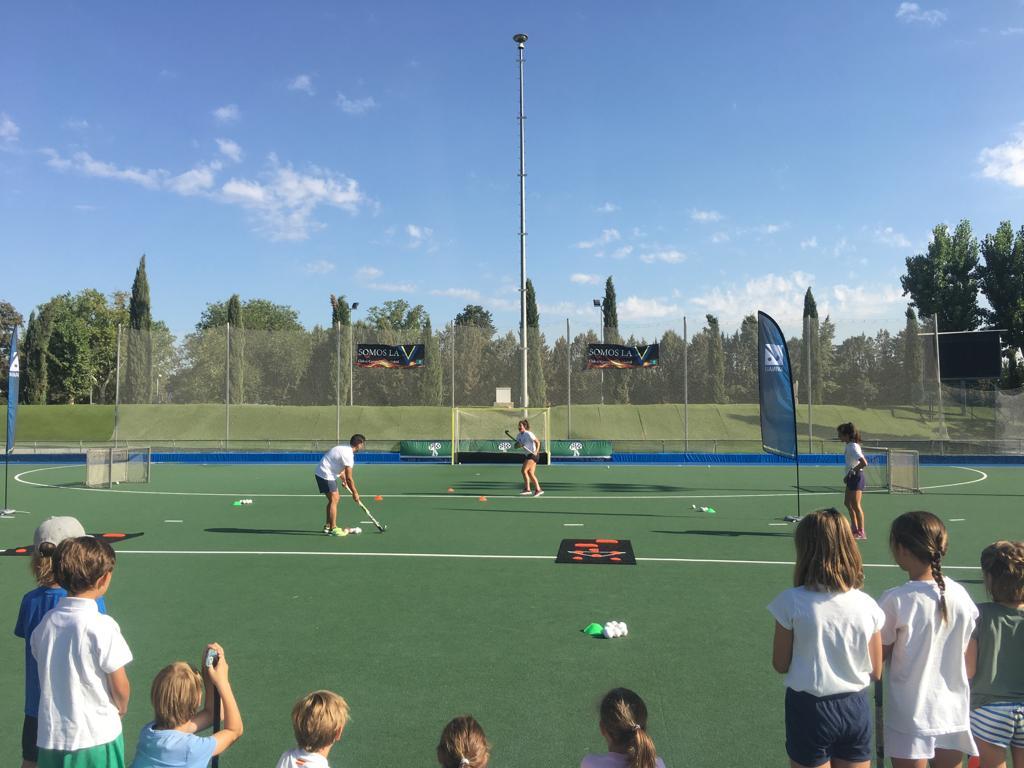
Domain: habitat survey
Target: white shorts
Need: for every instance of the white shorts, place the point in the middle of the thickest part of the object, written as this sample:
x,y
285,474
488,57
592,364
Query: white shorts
x,y
1001,724
919,747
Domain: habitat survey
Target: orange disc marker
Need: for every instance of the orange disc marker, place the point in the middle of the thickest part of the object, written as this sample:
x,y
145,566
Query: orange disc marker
x,y
21,550
577,558
113,535
616,559
451,490
378,498
483,498
607,541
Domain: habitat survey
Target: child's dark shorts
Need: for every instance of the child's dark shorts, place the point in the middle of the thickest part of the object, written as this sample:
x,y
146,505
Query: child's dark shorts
x,y
821,728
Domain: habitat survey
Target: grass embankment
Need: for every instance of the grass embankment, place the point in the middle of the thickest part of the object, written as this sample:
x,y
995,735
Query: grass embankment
x,y
161,423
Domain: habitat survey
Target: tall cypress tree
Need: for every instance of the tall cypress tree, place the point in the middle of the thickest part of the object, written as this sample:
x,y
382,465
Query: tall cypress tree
x,y
811,377
913,361
237,374
139,365
431,381
714,367
535,354
35,379
617,381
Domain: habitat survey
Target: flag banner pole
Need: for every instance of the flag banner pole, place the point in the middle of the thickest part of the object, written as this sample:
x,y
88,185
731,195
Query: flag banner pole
x,y
13,375
775,392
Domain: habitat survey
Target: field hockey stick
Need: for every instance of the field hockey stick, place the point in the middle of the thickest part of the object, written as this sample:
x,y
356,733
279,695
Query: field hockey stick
x,y
373,519
509,435
879,726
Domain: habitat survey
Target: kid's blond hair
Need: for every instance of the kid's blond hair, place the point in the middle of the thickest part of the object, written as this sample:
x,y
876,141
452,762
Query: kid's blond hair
x,y
177,694
827,557
318,719
463,744
1002,562
42,564
624,721
78,564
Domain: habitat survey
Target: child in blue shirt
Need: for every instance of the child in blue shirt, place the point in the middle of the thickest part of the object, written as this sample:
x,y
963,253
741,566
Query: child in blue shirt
x,y
34,606
170,740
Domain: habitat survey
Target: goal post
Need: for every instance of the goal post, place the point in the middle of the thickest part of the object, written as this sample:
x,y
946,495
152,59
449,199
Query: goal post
x,y
105,467
478,434
896,470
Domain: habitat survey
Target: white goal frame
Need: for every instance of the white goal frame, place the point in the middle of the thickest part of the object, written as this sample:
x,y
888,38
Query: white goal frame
x,y
540,425
900,472
106,467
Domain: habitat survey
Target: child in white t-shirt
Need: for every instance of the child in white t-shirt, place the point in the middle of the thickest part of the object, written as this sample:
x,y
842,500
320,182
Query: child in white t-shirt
x,y
623,724
318,720
463,744
531,446
854,465
928,624
828,644
995,658
81,655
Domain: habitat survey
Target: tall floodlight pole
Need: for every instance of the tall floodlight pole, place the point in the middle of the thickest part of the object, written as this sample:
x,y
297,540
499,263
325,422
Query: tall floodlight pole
x,y
520,40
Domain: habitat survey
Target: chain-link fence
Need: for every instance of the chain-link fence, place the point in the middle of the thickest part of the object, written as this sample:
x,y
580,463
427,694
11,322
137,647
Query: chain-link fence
x,y
702,394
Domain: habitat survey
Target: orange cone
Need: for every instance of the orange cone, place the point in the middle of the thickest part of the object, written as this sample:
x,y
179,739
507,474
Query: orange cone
x,y
451,490
378,498
483,498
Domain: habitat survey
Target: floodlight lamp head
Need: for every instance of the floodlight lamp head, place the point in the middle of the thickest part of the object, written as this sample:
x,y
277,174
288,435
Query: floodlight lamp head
x,y
597,302
521,39
355,305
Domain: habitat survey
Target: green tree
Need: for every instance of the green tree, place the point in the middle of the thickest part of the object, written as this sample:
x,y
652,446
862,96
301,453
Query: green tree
x,y
943,280
811,342
475,316
610,313
393,322
236,345
535,353
714,363
825,361
1001,278
913,361
70,361
741,363
431,388
138,379
855,372
472,333
35,375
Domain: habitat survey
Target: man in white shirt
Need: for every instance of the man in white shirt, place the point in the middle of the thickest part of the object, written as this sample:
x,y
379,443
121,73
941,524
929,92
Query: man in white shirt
x,y
337,464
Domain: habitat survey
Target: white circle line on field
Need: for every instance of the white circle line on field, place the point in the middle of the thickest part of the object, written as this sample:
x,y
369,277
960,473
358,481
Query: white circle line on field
x,y
781,494
461,556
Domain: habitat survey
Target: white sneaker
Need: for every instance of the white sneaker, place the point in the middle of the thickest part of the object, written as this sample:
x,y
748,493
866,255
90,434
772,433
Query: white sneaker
x,y
526,493
538,493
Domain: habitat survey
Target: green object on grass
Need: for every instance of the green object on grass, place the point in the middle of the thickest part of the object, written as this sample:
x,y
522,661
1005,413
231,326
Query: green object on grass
x,y
236,503
710,510
594,630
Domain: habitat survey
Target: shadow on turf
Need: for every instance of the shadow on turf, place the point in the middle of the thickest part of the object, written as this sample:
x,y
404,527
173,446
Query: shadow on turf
x,y
563,513
728,533
278,531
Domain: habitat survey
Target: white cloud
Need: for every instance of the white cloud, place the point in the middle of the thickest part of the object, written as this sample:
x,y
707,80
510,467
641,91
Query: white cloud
x,y
1012,31
197,181
458,293
1005,162
321,267
842,246
867,302
394,287
86,164
230,149
284,202
623,252
771,229
669,256
368,273
356,106
705,217
811,242
229,113
76,124
912,12
780,296
302,83
581,279
635,308
889,236
720,237
607,208
9,130
606,236
418,235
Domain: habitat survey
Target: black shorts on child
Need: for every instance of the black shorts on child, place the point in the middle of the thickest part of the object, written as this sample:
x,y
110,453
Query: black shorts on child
x,y
29,731
821,728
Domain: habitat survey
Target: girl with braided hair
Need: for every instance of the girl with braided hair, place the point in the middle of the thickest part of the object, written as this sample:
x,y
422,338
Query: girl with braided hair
x,y
623,724
463,744
928,625
995,658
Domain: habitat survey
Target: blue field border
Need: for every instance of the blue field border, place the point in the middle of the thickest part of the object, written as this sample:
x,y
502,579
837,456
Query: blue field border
x,y
636,459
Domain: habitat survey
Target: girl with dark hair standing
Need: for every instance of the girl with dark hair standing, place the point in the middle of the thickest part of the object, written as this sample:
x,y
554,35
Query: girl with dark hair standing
x,y
854,477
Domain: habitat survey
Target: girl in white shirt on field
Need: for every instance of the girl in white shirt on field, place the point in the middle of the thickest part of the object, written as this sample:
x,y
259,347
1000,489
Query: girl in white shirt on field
x,y
928,625
828,644
855,463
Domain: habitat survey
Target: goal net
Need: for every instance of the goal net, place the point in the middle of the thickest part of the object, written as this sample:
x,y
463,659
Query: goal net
x,y
478,434
894,470
106,466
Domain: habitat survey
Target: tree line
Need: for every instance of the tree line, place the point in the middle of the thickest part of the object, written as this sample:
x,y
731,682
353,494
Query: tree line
x,y
69,350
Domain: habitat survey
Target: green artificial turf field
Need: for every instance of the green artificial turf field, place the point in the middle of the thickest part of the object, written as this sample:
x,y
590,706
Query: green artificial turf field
x,y
460,607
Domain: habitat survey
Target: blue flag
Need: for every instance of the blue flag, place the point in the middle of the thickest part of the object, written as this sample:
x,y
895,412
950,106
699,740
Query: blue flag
x,y
13,373
775,387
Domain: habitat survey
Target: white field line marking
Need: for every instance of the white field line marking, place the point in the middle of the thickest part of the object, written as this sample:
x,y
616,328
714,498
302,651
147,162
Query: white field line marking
x,y
785,494
458,556
174,521
778,523
956,519
573,525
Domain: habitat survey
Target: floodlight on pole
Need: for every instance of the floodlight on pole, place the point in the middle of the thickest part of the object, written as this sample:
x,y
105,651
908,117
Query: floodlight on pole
x,y
352,362
520,40
599,303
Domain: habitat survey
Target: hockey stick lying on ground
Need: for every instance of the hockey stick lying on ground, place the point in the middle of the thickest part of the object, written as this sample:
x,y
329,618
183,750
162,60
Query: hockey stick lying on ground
x,y
373,519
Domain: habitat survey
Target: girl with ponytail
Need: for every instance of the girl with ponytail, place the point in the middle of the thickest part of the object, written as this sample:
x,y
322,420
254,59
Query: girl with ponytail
x,y
463,744
995,658
624,727
928,625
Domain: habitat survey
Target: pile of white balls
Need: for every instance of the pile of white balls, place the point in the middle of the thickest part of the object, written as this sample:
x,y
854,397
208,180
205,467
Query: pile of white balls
x,y
615,629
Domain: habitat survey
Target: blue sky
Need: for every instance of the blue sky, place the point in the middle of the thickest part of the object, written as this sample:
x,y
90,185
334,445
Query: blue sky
x,y
714,157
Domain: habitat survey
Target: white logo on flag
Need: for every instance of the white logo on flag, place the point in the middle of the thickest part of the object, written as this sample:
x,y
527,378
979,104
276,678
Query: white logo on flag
x,y
774,357
576,448
15,366
434,448
504,446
